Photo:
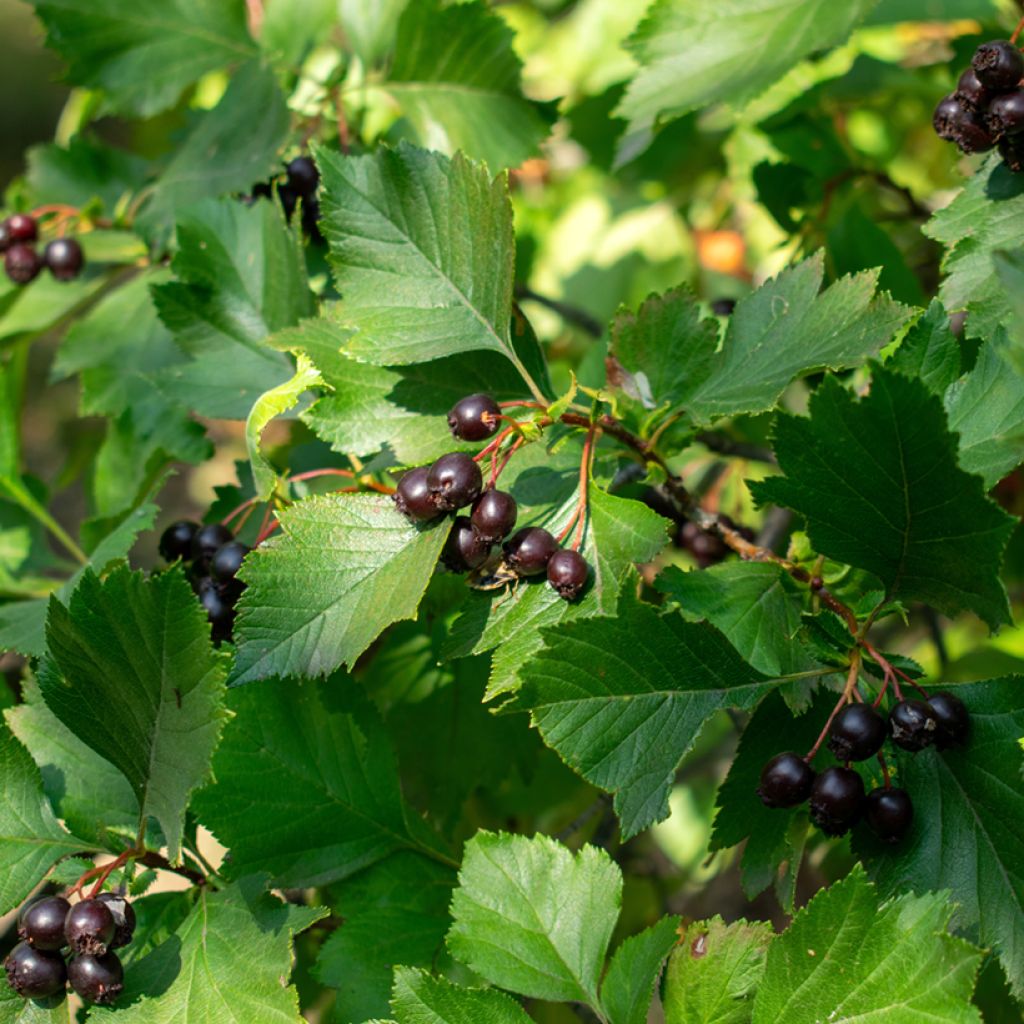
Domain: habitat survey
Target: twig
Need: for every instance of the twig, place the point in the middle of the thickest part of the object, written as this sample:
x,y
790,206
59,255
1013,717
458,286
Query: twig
x,y
721,444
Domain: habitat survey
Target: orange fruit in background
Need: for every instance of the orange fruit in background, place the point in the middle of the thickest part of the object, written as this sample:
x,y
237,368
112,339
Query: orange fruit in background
x,y
722,251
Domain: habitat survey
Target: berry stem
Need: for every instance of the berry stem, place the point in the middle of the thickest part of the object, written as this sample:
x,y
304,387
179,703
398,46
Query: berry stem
x,y
521,405
585,466
885,769
845,698
61,209
889,669
498,469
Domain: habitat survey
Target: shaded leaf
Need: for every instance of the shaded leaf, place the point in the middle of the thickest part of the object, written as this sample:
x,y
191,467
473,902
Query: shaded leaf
x,y
628,987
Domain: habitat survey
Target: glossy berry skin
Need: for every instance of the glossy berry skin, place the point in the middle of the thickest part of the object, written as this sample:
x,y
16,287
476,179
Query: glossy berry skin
x,y
1005,115
913,725
837,800
124,918
889,813
474,418
219,607
412,495
176,540
786,781
64,258
97,979
303,175
857,733
34,973
5,236
1011,149
970,93
454,481
227,560
528,551
972,135
89,927
22,263
22,227
208,540
953,719
567,573
494,515
998,65
465,549
41,924
948,116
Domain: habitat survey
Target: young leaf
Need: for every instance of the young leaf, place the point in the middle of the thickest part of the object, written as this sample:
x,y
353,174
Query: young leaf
x,y
877,481
139,683
419,998
510,921
628,987
850,956
346,567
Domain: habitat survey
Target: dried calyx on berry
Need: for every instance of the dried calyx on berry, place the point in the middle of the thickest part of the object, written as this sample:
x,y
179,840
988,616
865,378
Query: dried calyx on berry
x,y
90,927
913,725
474,418
97,979
35,973
454,481
568,573
998,65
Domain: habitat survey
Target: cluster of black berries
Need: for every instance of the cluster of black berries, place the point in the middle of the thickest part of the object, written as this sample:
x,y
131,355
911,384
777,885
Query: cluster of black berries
x,y
707,546
214,558
301,179
858,731
987,108
455,481
90,930
22,262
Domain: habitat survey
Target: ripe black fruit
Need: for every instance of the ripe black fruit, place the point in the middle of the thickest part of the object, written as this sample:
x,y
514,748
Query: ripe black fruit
x,y
952,718
837,799
948,117
1011,149
176,540
1005,115
97,979
972,136
219,608
303,175
912,725
22,263
207,541
465,549
5,236
567,573
454,481
528,551
494,514
227,560
474,418
22,227
786,781
412,496
970,93
723,307
889,813
34,973
998,65
64,258
124,918
89,927
41,924
857,733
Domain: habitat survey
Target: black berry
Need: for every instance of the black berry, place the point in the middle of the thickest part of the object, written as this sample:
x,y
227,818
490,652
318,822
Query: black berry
x,y
465,549
207,542
97,979
707,547
22,227
41,924
5,236
124,918
857,733
454,481
474,418
89,927
970,93
837,799
529,550
1005,115
913,725
289,199
1011,149
22,263
303,175
786,781
952,718
998,65
227,560
723,307
219,607
494,514
176,540
64,258
34,973
972,136
567,573
948,116
412,496
889,813
311,219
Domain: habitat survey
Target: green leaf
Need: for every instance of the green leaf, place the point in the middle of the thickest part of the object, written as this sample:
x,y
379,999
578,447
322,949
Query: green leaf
x,y
848,956
324,755
714,972
929,351
628,987
346,567
15,1010
420,998
533,917
139,683
82,171
31,839
395,913
370,26
456,77
968,830
877,481
229,960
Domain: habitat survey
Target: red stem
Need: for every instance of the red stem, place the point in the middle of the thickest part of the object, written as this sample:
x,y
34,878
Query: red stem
x,y
1017,31
845,698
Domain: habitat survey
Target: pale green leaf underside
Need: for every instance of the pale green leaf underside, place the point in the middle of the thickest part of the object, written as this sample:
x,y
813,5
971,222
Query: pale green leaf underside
x,y
420,998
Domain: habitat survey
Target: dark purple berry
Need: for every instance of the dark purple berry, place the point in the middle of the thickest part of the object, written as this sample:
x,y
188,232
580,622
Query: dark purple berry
x,y
952,718
454,481
176,540
303,175
227,560
465,549
34,973
948,116
474,418
1011,149
97,979
124,918
494,515
528,551
22,227
913,725
64,258
837,799
22,263
1005,115
289,199
998,65
207,542
41,924
786,781
857,733
972,136
567,573
723,307
311,219
5,236
970,93
220,609
889,813
89,927
412,495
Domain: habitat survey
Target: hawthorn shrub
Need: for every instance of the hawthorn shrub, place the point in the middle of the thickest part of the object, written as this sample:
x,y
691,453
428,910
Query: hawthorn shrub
x,y
539,538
